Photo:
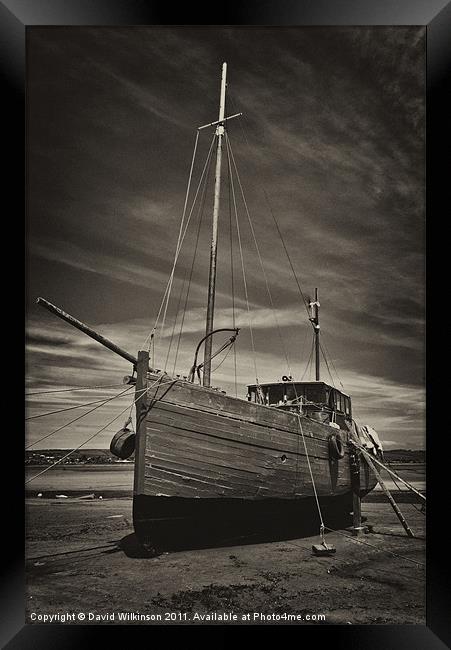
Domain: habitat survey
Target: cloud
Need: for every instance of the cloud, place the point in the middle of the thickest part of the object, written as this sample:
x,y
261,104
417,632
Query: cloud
x,y
394,410
333,131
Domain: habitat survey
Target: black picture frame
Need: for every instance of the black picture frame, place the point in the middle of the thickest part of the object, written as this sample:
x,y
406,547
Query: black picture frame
x,y
15,17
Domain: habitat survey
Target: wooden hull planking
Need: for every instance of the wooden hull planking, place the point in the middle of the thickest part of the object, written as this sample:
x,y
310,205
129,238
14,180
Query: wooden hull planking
x,y
207,463
200,443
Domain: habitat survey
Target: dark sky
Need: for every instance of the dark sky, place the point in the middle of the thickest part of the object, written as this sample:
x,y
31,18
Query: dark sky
x,y
333,130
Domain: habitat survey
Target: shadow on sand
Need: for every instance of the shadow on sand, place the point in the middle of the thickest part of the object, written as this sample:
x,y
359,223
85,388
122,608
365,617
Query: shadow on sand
x,y
225,533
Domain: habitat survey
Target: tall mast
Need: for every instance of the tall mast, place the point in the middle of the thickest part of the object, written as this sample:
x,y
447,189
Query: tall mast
x,y
214,237
314,306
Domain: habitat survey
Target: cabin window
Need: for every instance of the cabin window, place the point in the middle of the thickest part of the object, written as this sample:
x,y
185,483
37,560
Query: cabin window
x,y
315,394
275,394
290,392
341,403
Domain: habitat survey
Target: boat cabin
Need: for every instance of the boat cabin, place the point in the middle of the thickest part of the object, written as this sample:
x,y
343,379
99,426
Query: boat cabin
x,y
314,399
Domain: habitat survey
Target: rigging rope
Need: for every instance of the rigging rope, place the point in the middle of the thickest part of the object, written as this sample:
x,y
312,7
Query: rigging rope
x,y
376,548
68,408
307,330
414,506
272,305
304,299
259,256
232,278
228,344
327,364
175,322
152,333
332,362
77,418
242,266
305,302
200,215
309,360
179,244
60,460
182,233
321,528
230,347
68,390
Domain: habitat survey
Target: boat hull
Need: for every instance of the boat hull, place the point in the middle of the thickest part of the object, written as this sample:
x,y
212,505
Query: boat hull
x,y
172,523
208,463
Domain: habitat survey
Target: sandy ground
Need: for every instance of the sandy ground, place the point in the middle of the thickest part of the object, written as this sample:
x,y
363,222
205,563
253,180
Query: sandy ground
x,y
82,558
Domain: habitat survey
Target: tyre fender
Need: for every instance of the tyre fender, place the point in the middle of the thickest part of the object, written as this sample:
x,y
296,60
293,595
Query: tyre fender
x,y
336,446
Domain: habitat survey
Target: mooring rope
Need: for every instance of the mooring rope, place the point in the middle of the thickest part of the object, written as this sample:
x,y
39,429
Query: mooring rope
x,y
381,550
321,529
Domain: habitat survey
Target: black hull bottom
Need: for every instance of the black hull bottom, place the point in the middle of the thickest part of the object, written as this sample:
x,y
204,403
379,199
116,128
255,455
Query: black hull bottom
x,y
175,523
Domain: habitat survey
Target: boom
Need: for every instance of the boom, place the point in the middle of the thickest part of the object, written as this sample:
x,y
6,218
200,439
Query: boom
x,y
87,330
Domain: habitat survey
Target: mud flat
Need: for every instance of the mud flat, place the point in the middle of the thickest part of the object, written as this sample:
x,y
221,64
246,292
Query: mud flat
x,y
83,558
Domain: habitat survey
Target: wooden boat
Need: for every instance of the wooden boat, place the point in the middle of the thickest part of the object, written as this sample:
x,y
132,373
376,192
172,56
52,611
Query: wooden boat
x,y
208,463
